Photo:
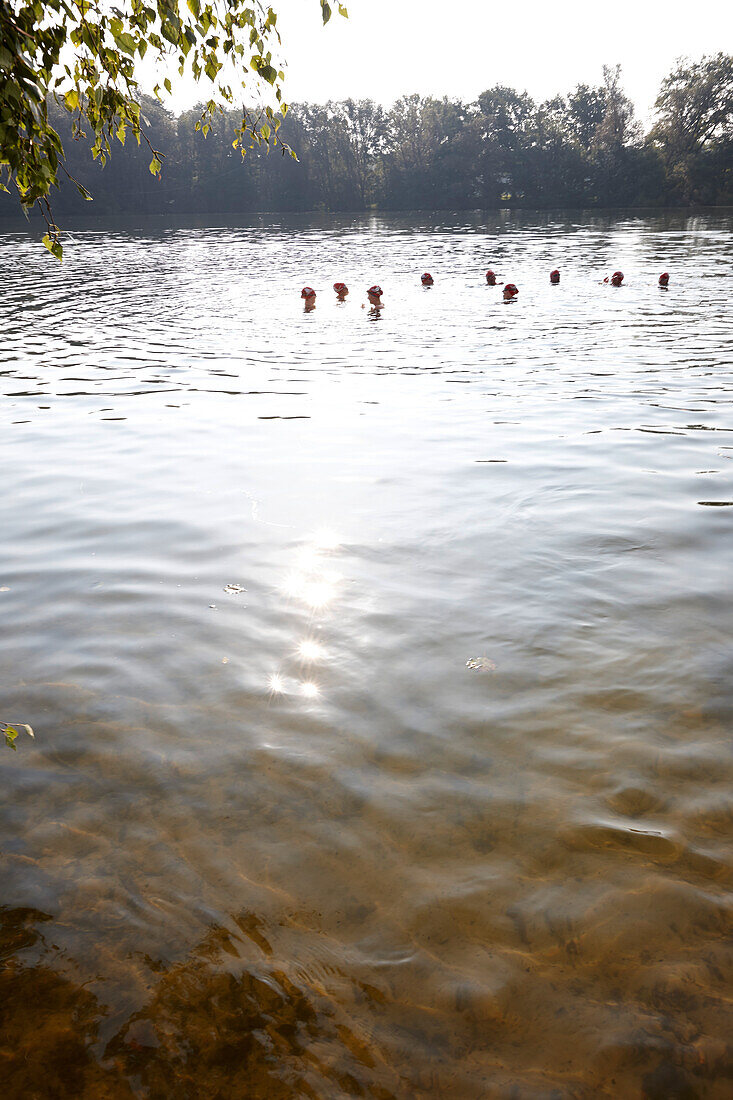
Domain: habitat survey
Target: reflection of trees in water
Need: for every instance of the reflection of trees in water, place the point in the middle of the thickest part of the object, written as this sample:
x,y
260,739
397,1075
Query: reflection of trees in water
x,y
215,1026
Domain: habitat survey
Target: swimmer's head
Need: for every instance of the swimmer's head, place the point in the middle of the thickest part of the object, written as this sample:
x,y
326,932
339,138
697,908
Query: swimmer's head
x,y
341,289
308,293
491,278
510,291
427,279
555,276
664,279
374,293
617,278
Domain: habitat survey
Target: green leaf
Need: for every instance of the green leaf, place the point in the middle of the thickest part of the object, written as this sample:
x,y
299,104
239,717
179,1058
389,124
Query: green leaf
x,y
71,99
212,68
155,167
54,247
126,43
11,732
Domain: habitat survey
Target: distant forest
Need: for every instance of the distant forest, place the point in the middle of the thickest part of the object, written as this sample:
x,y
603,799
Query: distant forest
x,y
581,149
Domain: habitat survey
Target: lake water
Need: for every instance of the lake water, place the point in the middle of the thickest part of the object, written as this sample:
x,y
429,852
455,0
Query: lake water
x,y
380,669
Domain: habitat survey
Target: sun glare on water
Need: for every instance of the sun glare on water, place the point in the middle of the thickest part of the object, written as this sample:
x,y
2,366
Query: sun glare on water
x,y
309,650
326,540
277,685
317,594
315,585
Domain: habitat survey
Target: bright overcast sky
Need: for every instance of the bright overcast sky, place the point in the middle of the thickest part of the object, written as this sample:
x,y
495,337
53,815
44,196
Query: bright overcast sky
x,y
388,48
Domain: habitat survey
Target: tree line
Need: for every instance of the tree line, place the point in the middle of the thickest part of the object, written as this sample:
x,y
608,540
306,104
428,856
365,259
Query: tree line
x,y
581,149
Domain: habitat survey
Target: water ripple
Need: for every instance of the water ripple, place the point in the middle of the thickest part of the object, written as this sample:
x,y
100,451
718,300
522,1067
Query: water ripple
x,y
436,801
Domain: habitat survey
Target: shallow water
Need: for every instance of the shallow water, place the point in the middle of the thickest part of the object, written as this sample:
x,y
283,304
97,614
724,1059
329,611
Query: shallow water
x,y
381,670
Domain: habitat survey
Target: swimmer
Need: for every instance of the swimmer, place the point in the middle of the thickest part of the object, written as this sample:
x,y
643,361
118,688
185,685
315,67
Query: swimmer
x,y
374,294
427,279
555,277
510,292
491,278
310,298
341,291
664,280
616,279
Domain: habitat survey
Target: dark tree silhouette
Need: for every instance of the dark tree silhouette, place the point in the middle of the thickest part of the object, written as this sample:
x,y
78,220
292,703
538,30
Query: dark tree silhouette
x,y
583,149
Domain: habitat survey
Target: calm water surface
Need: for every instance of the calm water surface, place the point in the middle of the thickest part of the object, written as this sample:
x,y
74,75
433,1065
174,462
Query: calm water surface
x,y
381,671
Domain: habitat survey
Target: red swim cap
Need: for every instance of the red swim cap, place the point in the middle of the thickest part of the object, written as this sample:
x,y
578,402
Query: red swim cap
x,y
617,277
376,290
307,292
426,278
339,287
663,279
510,289
491,278
555,276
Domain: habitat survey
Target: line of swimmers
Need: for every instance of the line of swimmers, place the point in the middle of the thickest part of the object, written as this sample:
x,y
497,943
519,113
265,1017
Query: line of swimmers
x,y
510,291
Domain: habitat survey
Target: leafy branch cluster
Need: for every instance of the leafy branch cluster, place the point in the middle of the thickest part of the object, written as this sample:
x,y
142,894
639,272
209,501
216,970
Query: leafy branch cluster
x,y
83,54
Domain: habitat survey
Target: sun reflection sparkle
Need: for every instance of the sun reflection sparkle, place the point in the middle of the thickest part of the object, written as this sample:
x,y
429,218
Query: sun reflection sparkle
x,y
310,582
308,650
317,593
309,558
326,540
293,584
